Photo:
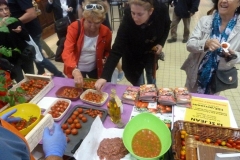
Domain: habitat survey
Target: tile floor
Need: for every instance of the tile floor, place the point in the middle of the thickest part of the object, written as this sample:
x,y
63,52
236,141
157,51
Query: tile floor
x,y
169,73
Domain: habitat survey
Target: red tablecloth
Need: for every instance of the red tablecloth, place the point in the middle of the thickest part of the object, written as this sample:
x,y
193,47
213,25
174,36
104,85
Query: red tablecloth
x,y
127,109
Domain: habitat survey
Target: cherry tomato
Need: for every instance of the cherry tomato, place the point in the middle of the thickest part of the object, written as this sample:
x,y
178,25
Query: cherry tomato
x,y
228,145
64,126
78,125
84,119
74,131
208,140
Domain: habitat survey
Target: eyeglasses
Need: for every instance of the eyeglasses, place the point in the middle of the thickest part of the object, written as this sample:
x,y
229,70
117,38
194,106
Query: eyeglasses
x,y
94,6
4,9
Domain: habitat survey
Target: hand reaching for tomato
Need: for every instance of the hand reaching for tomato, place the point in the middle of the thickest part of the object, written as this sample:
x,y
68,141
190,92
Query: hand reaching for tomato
x,y
54,142
7,116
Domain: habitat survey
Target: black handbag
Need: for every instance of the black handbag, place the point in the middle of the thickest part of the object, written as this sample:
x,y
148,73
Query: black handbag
x,y
224,79
61,26
29,52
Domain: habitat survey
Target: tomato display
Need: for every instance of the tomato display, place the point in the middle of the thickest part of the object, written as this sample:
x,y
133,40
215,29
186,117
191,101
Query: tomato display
x,y
93,97
70,93
78,116
226,142
58,108
23,123
33,86
89,84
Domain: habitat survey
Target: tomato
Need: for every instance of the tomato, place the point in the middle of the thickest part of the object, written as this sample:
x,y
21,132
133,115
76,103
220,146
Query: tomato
x,y
237,147
230,140
74,131
84,119
75,121
208,140
228,145
64,126
183,143
80,116
219,141
69,121
183,153
182,136
67,131
237,142
182,157
78,125
169,109
223,143
183,132
196,137
76,113
72,126
80,110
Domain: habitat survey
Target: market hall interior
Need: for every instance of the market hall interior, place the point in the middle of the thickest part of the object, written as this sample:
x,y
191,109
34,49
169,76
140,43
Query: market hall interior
x,y
169,73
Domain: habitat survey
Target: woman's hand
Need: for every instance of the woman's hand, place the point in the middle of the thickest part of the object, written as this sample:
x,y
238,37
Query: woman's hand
x,y
99,84
78,79
70,9
157,49
212,44
18,29
230,55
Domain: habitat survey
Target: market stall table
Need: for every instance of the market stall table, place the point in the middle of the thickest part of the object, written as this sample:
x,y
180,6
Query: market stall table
x,y
127,109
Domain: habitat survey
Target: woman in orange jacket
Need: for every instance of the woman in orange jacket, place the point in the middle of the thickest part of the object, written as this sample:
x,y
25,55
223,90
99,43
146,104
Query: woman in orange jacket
x,y
85,55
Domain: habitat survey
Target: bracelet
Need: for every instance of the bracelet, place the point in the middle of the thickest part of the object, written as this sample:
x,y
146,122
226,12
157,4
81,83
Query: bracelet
x,y
74,70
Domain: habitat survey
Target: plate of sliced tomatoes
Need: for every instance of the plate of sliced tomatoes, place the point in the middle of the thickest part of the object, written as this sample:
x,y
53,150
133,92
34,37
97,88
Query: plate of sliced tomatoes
x,y
94,97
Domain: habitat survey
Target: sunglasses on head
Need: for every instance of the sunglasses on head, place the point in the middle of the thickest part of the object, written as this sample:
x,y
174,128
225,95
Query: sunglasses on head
x,y
94,6
148,1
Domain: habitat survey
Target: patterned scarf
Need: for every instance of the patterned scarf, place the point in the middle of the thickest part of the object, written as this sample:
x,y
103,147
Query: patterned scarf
x,y
210,61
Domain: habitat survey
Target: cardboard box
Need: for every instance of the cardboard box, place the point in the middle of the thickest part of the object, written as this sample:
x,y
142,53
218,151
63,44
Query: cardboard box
x,y
41,94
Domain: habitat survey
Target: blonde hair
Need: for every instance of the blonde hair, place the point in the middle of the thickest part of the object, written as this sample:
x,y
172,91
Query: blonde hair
x,y
146,4
95,14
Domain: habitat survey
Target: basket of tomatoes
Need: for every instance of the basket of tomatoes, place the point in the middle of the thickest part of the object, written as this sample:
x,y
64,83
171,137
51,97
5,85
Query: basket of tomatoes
x,y
214,136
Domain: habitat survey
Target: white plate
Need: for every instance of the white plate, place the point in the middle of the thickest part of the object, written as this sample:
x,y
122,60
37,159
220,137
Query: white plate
x,y
104,94
62,114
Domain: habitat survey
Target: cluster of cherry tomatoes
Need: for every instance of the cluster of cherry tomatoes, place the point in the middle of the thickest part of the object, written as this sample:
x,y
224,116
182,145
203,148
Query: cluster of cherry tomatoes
x,y
89,84
33,86
70,93
230,143
58,108
73,123
23,123
93,97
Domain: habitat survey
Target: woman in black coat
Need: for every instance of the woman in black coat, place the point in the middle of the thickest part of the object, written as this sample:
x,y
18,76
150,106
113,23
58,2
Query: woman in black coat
x,y
145,26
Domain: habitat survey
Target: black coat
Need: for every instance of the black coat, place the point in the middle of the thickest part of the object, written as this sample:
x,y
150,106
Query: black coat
x,y
183,8
57,10
14,40
133,43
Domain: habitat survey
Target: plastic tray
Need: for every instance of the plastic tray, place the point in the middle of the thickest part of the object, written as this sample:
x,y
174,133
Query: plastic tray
x,y
82,132
86,80
61,116
104,94
60,90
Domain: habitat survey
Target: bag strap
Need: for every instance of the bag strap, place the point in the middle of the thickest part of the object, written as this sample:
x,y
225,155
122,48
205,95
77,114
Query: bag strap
x,y
79,26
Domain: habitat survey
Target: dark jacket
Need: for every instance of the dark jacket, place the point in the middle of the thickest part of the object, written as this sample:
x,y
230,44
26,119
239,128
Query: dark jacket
x,y
14,40
57,10
133,43
183,8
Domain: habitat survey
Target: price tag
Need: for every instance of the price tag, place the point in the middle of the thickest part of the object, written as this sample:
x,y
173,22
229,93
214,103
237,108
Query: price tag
x,y
152,105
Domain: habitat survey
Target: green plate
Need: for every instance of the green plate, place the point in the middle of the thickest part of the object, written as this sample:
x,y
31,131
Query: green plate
x,y
151,122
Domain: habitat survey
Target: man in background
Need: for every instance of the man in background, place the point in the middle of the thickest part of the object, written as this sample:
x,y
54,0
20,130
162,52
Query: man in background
x,y
183,9
25,12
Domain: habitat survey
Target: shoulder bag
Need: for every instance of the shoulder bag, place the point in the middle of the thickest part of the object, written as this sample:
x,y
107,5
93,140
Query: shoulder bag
x,y
58,56
61,26
224,79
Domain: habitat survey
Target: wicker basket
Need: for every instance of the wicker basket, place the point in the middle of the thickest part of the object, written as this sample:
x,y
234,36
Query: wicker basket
x,y
203,131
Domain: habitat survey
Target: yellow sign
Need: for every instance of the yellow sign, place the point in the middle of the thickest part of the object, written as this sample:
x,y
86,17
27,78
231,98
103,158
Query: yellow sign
x,y
208,111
